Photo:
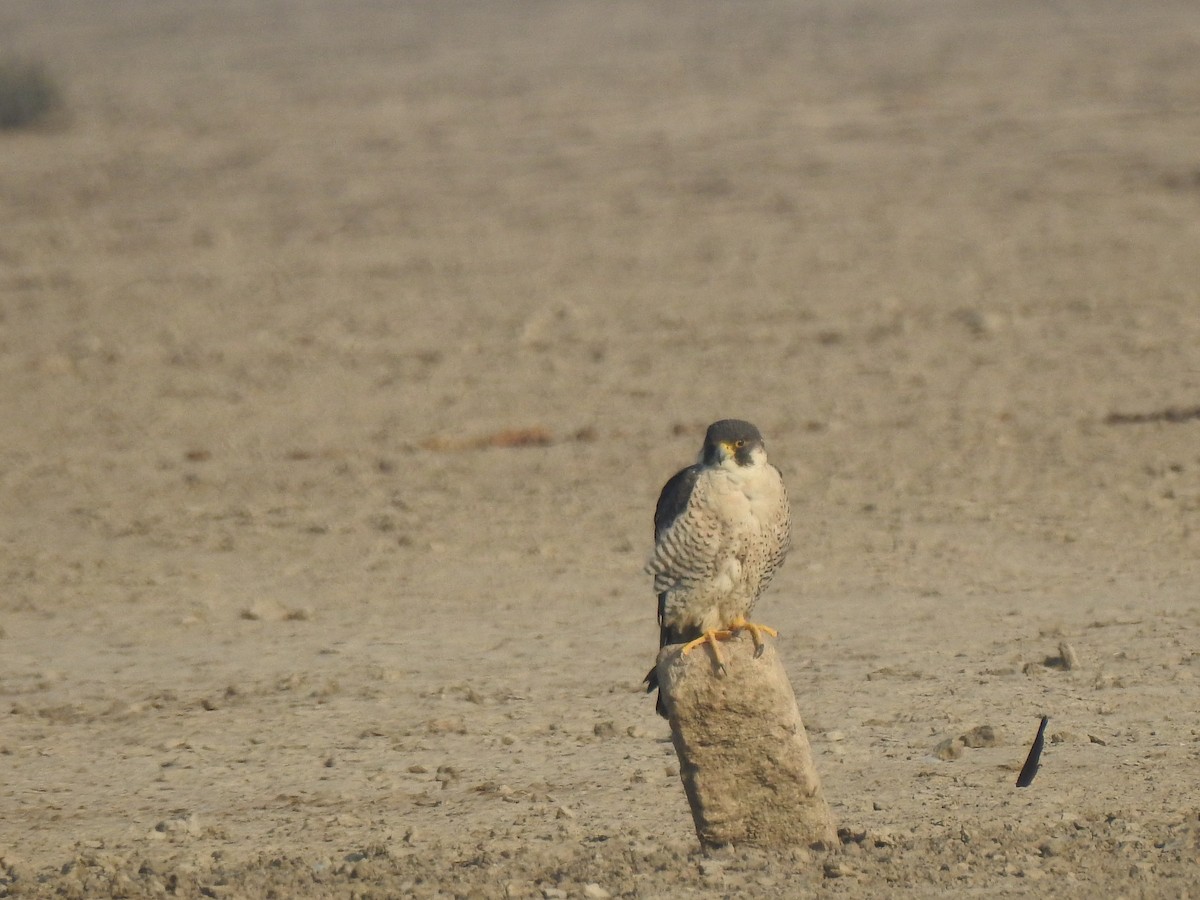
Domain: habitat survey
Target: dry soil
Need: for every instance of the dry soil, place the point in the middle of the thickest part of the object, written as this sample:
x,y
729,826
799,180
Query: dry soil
x,y
345,346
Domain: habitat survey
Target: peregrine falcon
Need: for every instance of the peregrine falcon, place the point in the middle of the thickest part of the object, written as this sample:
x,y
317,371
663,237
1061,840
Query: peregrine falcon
x,y
722,528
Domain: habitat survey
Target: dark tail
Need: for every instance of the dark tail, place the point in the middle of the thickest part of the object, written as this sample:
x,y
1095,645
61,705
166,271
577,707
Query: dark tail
x,y
652,685
665,636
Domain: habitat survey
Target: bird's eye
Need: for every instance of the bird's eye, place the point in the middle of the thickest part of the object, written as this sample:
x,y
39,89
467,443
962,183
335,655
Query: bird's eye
x,y
739,444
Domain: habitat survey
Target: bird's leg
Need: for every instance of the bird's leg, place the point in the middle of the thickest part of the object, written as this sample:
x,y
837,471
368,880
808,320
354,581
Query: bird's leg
x,y
756,632
739,624
710,638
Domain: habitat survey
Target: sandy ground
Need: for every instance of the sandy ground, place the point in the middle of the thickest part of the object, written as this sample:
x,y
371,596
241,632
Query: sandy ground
x,y
344,348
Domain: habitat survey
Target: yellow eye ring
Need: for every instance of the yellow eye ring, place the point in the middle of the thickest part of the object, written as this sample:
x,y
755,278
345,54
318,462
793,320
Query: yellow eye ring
x,y
739,444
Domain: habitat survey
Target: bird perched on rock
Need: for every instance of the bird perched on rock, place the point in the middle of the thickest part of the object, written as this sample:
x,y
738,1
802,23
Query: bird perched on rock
x,y
722,528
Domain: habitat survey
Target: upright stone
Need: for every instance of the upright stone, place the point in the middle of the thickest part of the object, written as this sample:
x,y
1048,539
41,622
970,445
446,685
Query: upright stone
x,y
744,757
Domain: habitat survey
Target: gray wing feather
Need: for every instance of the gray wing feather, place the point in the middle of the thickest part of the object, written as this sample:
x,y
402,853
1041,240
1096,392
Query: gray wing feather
x,y
687,544
671,541
674,499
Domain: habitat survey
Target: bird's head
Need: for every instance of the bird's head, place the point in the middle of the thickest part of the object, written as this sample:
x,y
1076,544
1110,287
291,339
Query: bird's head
x,y
733,442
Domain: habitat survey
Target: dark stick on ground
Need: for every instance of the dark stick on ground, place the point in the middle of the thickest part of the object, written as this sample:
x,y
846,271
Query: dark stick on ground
x,y
1035,754
1170,414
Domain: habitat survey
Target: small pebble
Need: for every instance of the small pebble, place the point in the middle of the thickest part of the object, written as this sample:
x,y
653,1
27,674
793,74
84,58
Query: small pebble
x,y
980,736
948,749
711,868
1068,656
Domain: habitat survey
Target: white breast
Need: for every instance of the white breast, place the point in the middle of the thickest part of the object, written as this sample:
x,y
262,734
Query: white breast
x,y
742,513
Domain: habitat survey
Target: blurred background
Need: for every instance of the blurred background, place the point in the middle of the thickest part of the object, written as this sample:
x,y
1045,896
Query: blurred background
x,y
378,326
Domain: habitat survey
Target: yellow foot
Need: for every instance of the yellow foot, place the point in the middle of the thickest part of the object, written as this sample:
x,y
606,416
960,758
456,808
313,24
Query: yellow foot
x,y
710,638
756,632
